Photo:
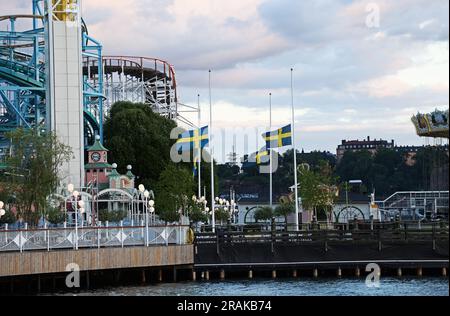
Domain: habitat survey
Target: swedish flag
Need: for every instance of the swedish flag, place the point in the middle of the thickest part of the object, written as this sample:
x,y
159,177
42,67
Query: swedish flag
x,y
194,139
262,157
196,166
279,138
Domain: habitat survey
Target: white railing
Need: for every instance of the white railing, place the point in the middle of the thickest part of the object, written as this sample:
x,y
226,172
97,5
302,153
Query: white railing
x,y
91,237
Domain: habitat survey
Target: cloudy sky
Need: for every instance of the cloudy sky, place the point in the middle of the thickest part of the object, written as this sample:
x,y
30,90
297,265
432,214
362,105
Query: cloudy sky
x,y
361,67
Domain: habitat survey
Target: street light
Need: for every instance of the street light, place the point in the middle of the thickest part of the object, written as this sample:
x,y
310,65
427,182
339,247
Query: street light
x,y
75,194
2,211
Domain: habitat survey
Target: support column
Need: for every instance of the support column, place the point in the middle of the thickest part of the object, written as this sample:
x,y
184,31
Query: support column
x,y
316,273
207,275
175,274
399,272
444,272
274,274
160,275
294,274
250,274
358,272
143,279
194,275
222,274
87,280
339,272
420,272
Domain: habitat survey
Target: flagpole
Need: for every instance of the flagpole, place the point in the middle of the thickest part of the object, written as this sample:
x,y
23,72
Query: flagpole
x,y
199,151
213,206
270,152
295,152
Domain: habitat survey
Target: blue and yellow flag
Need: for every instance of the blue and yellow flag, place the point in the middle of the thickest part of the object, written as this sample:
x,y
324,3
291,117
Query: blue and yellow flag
x,y
191,140
262,156
279,138
196,166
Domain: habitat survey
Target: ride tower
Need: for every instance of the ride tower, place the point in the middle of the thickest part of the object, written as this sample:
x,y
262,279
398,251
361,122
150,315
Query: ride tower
x,y
65,82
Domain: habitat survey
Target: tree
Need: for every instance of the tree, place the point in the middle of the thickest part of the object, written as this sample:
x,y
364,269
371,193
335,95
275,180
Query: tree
x,y
173,192
137,136
317,189
284,210
33,166
263,214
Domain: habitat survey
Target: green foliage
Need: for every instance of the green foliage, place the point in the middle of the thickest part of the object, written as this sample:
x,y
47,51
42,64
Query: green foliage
x,y
263,214
8,218
113,216
284,210
173,192
221,215
137,136
33,171
55,216
196,212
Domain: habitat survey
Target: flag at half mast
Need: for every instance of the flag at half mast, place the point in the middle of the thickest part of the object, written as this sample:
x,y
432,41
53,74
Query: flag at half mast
x,y
280,138
193,140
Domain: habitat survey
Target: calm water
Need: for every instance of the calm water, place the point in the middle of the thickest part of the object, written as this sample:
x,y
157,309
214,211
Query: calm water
x,y
342,287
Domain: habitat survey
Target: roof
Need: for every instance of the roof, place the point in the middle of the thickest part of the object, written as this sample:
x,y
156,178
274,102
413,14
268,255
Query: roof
x,y
97,146
101,165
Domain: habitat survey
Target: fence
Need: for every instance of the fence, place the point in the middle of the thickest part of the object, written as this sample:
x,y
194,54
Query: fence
x,y
91,237
401,232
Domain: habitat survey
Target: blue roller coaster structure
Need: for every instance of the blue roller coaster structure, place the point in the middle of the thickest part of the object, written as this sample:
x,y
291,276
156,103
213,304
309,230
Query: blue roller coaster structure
x,y
24,88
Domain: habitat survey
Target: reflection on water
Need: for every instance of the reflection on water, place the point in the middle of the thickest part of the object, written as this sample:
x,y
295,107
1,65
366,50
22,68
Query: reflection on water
x,y
297,287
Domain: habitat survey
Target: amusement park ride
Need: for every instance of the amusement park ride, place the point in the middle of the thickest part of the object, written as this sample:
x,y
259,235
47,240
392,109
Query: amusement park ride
x,y
53,76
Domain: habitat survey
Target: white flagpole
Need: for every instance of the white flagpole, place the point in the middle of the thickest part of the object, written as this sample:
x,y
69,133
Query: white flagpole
x,y
295,152
199,151
270,152
213,204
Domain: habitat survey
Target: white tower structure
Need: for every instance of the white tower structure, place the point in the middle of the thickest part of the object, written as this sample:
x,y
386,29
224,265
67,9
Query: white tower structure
x,y
65,82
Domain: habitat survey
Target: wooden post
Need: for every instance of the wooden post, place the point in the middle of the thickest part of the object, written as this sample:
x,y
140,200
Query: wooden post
x,y
143,280
250,274
87,280
160,275
339,272
358,272
274,274
39,283
420,272
294,274
222,274
175,274
194,275
444,272
316,273
207,275
399,272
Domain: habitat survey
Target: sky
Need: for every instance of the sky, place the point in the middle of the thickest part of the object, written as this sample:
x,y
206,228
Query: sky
x,y
361,68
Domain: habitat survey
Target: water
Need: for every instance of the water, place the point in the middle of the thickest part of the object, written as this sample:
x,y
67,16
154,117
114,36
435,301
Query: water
x,y
297,287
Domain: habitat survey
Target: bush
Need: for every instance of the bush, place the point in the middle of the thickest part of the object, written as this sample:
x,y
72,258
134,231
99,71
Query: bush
x,y
113,217
55,216
263,214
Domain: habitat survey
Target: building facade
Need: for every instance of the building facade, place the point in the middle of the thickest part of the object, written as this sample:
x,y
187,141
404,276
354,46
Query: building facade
x,y
370,145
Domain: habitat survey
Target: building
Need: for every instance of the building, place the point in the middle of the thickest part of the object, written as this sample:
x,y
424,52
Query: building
x,y
371,145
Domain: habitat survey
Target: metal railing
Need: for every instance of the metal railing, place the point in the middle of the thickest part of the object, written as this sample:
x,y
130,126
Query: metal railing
x,y
379,232
91,237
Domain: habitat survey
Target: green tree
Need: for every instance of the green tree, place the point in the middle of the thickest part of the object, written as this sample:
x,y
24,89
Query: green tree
x,y
173,192
137,136
284,210
263,214
34,171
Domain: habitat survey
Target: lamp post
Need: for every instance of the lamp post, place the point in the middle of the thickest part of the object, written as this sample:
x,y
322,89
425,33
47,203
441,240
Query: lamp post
x,y
151,203
2,211
76,194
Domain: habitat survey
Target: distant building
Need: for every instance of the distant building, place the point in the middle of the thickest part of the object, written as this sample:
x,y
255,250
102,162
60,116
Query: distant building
x,y
358,145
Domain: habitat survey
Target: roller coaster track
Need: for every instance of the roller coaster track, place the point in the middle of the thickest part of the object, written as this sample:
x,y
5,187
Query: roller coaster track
x,y
23,81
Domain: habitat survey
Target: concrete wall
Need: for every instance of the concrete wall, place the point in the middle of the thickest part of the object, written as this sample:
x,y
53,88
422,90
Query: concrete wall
x,y
29,263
